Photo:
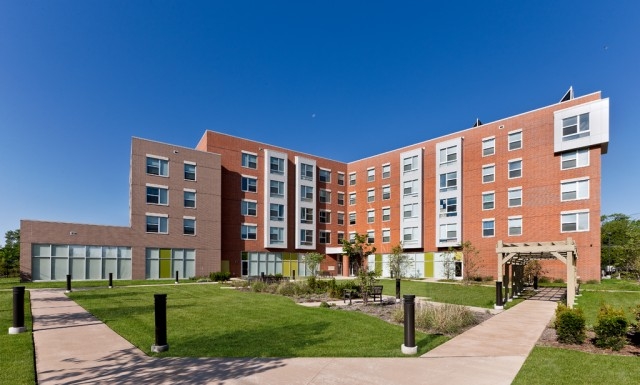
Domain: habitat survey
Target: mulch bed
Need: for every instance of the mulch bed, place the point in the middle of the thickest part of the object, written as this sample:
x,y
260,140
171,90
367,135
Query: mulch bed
x,y
632,348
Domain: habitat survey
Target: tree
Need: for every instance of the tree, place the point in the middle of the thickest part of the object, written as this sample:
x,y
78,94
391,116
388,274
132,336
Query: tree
x,y
449,263
358,249
532,269
398,261
10,254
620,239
313,260
470,263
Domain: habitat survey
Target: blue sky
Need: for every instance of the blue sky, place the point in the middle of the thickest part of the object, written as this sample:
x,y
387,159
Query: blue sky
x,y
339,79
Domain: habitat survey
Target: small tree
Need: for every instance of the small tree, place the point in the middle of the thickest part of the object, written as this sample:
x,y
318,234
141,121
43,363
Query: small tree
x,y
533,269
358,249
366,279
10,254
449,263
470,262
313,260
398,261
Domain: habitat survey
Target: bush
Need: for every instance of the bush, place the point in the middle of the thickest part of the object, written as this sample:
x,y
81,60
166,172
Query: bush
x,y
544,279
398,314
445,318
570,325
258,286
558,280
288,289
337,289
611,328
324,304
220,276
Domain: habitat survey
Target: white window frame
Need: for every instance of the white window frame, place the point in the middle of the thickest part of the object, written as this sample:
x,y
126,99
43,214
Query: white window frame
x,y
371,216
447,231
324,175
409,234
279,234
371,236
371,174
306,237
162,222
489,170
493,227
411,209
564,215
324,237
185,227
509,170
276,188
580,131
447,179
340,218
352,179
280,213
247,158
410,163
352,215
325,196
340,198
578,156
340,178
249,178
249,235
306,215
163,165
386,171
352,199
511,142
386,217
306,193
159,195
371,195
448,152
487,194
306,171
386,235
188,173
510,222
278,163
485,146
513,190
580,187
184,198
324,216
445,204
387,192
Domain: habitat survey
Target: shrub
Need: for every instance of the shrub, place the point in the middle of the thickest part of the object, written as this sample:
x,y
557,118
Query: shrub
x,y
570,325
287,289
592,281
558,280
258,286
445,318
324,304
544,279
398,314
220,276
337,290
611,328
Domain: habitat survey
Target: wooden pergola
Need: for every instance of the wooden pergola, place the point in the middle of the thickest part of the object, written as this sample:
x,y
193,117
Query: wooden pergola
x,y
512,257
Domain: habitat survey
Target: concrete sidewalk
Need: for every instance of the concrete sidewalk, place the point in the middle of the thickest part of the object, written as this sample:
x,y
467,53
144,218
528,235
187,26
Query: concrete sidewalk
x,y
71,346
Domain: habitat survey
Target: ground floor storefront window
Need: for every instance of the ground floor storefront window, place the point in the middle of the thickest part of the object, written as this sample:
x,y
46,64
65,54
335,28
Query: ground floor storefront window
x,y
51,262
163,263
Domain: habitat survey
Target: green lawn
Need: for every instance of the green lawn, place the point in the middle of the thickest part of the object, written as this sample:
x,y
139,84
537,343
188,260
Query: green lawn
x,y
16,350
546,365
455,293
207,321
9,283
612,284
590,302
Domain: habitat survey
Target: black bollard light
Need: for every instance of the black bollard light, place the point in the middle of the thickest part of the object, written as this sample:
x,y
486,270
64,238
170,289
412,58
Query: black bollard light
x,y
409,346
293,273
160,302
110,280
68,283
535,282
397,289
177,280
18,311
498,295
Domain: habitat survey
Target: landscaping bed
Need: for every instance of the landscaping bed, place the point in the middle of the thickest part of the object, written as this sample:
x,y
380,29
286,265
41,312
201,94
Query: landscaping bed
x,y
549,338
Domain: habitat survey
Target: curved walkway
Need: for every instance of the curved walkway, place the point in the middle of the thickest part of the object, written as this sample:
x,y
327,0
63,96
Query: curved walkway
x,y
72,346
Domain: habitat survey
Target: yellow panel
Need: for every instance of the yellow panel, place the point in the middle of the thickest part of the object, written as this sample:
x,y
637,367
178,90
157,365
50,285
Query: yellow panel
x,y
224,267
286,268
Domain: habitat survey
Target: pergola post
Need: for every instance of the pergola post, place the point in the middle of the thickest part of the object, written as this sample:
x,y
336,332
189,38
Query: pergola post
x,y
514,281
499,304
507,270
571,280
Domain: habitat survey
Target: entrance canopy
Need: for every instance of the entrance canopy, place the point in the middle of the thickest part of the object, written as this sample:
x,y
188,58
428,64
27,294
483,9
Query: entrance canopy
x,y
518,254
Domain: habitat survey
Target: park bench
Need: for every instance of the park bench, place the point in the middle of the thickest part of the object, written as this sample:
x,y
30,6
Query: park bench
x,y
376,292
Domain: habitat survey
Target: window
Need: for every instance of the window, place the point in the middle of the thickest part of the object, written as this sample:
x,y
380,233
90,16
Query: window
x,y
575,126
488,146
448,207
386,192
574,221
249,160
325,196
188,226
276,212
156,166
371,195
352,237
340,179
306,171
515,197
340,218
352,199
449,181
386,214
306,237
249,184
488,228
371,216
515,226
306,215
488,201
515,169
386,171
574,190
410,234
306,193
410,187
324,176
371,236
276,188
276,234
410,163
340,237
448,155
189,171
190,199
574,159
157,224
276,165
371,174
249,232
324,216
325,237
386,236
515,140
352,179
157,195
410,210
448,232
352,218
249,208
341,198
488,173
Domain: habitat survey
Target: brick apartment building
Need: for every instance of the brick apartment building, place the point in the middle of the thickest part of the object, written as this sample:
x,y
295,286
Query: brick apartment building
x,y
237,205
